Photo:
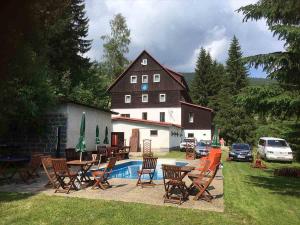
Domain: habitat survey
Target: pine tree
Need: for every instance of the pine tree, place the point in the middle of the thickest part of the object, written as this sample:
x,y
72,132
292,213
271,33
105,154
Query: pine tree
x,y
199,86
235,68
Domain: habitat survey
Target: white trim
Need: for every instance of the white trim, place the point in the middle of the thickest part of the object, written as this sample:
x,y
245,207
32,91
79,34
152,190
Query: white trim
x,y
145,76
126,97
158,78
131,79
144,95
160,97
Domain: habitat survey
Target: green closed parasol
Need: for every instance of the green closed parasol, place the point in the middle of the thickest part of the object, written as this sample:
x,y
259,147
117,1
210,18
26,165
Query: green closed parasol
x,y
97,141
106,142
215,140
81,147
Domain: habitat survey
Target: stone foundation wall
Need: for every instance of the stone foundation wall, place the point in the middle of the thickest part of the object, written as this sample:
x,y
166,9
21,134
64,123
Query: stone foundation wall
x,y
44,143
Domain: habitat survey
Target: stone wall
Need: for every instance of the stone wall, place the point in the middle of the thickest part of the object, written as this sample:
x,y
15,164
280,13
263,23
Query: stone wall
x,y
45,142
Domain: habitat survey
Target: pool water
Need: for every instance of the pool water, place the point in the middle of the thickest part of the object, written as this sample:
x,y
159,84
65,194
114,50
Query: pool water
x,y
129,170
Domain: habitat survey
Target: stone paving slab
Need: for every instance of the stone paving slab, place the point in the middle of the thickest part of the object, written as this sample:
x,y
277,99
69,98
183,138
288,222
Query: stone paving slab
x,y
125,190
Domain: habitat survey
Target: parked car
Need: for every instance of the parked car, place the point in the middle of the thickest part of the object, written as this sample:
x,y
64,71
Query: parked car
x,y
241,152
278,149
202,148
185,141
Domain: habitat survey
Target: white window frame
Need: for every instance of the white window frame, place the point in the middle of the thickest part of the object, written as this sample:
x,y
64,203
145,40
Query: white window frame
x,y
160,97
144,62
191,117
145,76
156,75
125,99
131,79
144,95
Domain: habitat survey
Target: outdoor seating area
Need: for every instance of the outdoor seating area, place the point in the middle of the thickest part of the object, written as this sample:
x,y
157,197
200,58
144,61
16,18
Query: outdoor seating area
x,y
90,177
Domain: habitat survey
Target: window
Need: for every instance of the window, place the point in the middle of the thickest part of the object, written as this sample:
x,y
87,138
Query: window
x,y
125,115
145,98
153,132
162,97
133,79
144,78
127,98
191,117
190,135
162,117
144,116
156,78
144,62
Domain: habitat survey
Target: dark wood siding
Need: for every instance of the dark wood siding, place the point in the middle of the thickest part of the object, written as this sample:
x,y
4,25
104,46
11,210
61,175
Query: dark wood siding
x,y
172,99
202,118
168,85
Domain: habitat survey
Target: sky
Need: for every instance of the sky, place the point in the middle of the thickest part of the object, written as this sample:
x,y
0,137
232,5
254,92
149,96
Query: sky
x,y
173,31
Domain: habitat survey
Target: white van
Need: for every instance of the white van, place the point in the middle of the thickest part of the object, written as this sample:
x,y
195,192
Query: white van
x,y
278,149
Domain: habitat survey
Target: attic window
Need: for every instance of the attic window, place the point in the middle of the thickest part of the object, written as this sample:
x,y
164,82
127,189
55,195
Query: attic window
x,y
191,117
133,79
144,62
145,79
156,78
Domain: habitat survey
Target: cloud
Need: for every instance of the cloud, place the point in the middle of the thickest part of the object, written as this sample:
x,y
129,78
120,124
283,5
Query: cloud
x,y
174,30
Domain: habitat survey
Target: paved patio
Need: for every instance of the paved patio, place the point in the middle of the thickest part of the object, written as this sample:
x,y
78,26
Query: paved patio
x,y
125,190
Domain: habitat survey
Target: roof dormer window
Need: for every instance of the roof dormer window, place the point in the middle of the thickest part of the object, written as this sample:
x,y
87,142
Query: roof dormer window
x,y
133,79
144,62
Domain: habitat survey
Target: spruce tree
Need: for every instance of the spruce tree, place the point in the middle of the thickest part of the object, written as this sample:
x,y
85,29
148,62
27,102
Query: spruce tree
x,y
68,43
235,68
199,86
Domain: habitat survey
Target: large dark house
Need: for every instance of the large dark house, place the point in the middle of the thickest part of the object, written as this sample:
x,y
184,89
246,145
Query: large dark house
x,y
147,90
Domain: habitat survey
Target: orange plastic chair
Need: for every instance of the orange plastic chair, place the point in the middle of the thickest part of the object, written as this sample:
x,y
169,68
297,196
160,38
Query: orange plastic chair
x,y
214,157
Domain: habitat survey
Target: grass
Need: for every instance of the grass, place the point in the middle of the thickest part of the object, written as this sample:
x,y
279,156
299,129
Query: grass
x,y
252,196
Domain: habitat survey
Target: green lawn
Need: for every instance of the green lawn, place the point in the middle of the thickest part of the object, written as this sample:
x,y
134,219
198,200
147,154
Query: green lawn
x,y
251,196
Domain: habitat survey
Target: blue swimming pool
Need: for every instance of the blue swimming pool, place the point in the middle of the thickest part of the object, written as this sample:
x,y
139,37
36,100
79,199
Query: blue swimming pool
x,y
129,170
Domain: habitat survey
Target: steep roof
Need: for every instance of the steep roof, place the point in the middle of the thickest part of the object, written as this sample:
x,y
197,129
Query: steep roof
x,y
196,106
150,122
168,71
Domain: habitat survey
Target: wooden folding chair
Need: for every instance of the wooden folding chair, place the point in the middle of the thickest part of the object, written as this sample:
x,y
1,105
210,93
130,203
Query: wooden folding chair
x,y
48,168
204,172
175,189
202,183
101,177
62,172
30,171
148,167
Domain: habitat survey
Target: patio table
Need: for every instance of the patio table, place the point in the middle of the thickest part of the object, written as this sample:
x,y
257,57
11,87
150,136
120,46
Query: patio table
x,y
84,165
10,166
185,170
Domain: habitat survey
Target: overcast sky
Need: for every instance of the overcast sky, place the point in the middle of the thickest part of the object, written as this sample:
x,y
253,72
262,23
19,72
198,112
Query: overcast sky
x,y
174,30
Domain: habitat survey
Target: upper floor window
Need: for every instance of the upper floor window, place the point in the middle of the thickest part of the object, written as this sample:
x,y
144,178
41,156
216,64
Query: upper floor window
x,y
127,98
156,77
133,79
144,116
144,97
144,78
191,117
144,62
162,117
125,115
162,97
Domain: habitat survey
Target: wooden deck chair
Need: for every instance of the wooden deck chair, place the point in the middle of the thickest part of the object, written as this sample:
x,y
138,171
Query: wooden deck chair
x,y
148,167
48,168
30,171
101,177
147,152
202,183
62,172
175,189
